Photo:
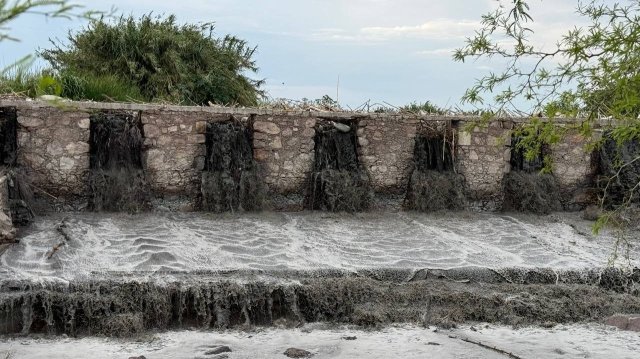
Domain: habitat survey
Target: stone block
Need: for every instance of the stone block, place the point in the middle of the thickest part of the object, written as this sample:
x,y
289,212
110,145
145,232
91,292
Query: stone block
x,y
151,131
54,149
260,154
77,148
84,123
201,126
30,121
67,163
199,138
464,138
266,127
276,143
310,123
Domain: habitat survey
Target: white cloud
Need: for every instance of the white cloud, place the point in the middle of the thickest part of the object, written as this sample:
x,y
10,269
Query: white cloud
x,y
439,29
443,52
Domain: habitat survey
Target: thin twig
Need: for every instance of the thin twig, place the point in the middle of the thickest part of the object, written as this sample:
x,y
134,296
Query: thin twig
x,y
43,191
495,349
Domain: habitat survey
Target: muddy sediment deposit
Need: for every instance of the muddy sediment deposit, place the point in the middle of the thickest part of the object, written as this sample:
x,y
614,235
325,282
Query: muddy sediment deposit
x,y
526,188
128,307
117,179
338,182
231,180
434,185
531,192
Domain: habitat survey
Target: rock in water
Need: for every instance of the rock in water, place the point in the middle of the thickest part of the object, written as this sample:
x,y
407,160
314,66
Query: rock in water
x,y
297,353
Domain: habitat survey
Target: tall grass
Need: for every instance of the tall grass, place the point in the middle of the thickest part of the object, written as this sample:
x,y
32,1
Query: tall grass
x,y
24,80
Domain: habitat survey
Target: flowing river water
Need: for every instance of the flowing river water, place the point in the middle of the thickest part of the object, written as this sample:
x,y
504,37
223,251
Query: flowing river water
x,y
69,248
170,242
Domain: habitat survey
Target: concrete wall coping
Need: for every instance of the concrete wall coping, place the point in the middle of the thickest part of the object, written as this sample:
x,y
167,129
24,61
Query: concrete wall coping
x,y
241,111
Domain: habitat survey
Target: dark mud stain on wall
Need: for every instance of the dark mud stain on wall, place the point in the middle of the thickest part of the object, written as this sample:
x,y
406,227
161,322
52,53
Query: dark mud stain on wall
x,y
338,182
20,195
434,185
619,171
117,178
8,135
231,178
526,188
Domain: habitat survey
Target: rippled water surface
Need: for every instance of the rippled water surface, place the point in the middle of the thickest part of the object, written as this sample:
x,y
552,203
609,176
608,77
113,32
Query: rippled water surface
x,y
157,242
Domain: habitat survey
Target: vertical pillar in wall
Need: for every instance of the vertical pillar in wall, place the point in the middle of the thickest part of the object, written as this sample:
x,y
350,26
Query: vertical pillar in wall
x,y
338,181
117,178
482,157
526,188
574,169
434,184
230,180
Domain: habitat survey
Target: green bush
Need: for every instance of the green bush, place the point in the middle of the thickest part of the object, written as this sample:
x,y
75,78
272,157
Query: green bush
x,y
162,60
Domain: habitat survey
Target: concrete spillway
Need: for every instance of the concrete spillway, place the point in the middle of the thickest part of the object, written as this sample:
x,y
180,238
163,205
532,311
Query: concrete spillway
x,y
121,275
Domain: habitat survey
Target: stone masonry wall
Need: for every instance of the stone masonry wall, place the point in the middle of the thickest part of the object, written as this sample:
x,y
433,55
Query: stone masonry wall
x,y
175,150
284,147
386,151
53,147
483,158
573,169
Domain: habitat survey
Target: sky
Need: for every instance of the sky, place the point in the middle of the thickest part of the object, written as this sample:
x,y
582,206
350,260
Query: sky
x,y
393,51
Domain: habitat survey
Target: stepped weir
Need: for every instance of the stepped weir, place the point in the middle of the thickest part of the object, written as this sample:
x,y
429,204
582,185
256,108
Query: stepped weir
x,y
161,218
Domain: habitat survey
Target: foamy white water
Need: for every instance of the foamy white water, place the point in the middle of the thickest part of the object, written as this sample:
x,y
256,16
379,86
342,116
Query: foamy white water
x,y
407,342
103,243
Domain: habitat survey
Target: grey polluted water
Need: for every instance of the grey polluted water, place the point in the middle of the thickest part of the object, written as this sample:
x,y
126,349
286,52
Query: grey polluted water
x,y
117,178
231,178
525,187
434,185
338,182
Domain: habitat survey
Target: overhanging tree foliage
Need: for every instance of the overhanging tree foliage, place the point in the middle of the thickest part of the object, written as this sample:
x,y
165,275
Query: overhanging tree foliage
x,y
48,8
593,72
166,61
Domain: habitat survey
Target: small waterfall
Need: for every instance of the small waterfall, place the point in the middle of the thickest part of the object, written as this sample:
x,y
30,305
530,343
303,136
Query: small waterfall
x,y
434,185
611,157
525,187
8,136
20,195
117,178
231,180
338,181
130,308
